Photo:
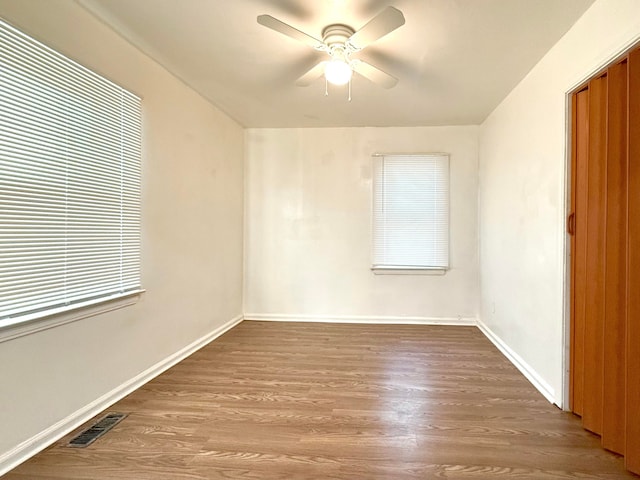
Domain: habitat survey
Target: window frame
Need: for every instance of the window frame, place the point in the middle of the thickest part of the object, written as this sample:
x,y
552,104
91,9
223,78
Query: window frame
x,y
391,269
27,51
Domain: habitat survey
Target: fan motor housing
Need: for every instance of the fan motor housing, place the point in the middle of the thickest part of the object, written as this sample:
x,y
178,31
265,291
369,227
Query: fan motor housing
x,y
336,33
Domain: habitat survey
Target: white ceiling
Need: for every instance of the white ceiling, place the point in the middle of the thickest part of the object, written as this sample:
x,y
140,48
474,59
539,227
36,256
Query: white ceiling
x,y
455,59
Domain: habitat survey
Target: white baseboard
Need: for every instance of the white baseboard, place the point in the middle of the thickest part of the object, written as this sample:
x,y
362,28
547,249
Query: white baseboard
x,y
275,317
42,440
536,380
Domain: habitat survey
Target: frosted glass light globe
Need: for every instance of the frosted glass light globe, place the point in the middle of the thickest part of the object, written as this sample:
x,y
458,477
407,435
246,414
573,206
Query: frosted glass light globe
x,y
337,72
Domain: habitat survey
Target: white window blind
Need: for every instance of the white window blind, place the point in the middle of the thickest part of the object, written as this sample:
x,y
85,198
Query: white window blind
x,y
69,182
411,212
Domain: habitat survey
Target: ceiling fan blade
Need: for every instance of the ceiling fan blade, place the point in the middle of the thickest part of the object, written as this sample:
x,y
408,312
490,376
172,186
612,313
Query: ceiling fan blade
x,y
312,75
374,74
286,29
379,26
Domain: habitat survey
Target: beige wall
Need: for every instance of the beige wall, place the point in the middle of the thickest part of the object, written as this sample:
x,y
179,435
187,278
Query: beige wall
x,y
192,237
523,147
308,233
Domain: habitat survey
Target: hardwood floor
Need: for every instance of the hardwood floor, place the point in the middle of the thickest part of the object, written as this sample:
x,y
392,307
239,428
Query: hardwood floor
x,y
328,401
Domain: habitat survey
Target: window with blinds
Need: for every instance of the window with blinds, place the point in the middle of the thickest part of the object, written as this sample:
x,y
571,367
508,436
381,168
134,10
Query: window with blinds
x,y
411,212
70,169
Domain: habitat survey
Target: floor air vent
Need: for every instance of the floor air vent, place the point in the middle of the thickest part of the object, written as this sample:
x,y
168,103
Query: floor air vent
x,y
98,429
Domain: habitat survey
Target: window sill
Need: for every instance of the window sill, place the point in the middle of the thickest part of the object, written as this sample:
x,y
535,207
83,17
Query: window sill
x,y
409,270
63,315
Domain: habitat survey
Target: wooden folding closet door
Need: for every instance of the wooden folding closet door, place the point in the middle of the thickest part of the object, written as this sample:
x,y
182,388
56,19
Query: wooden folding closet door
x,y
595,258
577,223
605,257
632,421
615,279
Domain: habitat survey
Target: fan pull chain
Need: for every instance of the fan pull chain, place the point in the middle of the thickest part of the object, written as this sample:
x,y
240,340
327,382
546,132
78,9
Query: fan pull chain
x,y
326,87
349,89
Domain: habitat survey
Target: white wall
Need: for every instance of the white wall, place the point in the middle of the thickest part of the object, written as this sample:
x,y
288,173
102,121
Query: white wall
x,y
192,237
308,234
522,191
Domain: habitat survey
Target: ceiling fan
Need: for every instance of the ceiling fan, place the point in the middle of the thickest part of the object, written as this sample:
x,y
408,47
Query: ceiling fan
x,y
340,42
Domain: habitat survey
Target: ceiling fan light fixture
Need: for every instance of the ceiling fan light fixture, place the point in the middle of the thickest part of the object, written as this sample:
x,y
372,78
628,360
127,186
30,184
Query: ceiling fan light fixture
x,y
340,41
338,72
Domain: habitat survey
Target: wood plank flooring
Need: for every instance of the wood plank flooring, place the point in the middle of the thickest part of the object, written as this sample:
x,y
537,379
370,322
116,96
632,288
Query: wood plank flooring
x,y
329,401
